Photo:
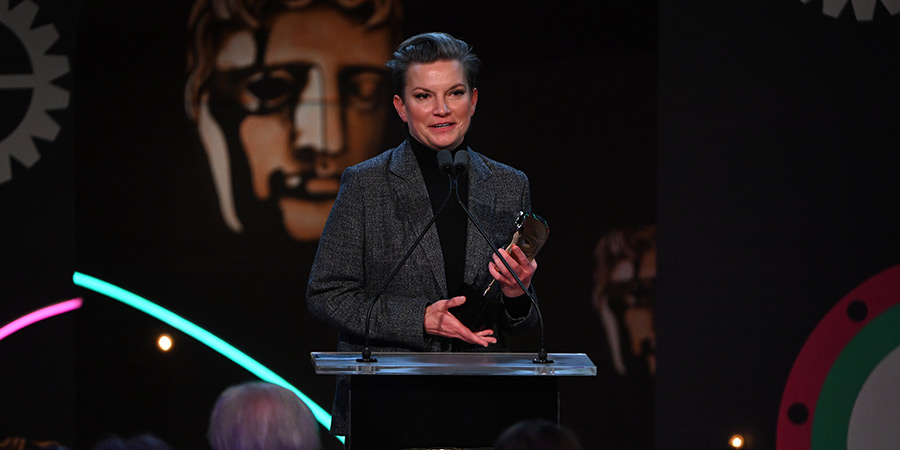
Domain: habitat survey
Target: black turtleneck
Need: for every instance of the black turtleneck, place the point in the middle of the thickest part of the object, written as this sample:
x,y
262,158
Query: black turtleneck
x,y
452,223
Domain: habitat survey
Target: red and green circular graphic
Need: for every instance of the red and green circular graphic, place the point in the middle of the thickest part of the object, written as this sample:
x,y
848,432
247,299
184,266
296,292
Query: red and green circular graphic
x,y
844,389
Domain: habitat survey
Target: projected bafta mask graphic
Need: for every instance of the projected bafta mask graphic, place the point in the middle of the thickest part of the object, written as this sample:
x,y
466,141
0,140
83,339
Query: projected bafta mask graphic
x,y
286,94
625,297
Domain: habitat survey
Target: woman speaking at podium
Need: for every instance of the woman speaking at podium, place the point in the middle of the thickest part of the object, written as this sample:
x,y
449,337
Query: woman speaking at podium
x,y
435,301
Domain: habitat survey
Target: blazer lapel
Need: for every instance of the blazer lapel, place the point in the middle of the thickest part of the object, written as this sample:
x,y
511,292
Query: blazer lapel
x,y
482,198
409,185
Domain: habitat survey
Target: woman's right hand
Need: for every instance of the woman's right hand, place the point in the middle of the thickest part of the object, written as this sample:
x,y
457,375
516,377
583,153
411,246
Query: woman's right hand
x,y
440,322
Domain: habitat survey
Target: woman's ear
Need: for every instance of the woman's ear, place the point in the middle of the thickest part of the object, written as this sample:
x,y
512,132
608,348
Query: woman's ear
x,y
401,109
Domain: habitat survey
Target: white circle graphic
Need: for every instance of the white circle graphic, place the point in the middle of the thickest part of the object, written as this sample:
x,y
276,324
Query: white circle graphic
x,y
876,412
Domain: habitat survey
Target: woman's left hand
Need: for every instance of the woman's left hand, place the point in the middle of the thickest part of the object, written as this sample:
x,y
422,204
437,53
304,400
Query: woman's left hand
x,y
519,263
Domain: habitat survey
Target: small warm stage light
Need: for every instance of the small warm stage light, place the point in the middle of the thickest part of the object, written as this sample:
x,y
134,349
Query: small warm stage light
x,y
164,342
736,441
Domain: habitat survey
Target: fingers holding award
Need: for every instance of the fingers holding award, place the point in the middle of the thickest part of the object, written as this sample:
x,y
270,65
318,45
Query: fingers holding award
x,y
528,239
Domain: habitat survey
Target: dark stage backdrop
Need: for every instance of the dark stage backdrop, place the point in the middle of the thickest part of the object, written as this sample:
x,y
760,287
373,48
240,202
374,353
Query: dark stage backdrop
x,y
37,218
777,190
124,193
777,196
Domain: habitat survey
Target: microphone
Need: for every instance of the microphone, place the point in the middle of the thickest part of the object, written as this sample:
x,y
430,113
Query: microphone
x,y
445,165
461,165
461,162
445,162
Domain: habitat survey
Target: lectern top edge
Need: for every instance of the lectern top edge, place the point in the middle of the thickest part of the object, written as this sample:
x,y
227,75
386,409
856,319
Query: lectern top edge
x,y
433,363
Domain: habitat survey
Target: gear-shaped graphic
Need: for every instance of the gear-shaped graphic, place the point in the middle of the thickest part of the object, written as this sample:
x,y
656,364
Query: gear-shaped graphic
x,y
864,9
44,95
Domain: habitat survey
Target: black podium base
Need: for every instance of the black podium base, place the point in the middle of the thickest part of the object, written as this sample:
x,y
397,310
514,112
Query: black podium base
x,y
399,412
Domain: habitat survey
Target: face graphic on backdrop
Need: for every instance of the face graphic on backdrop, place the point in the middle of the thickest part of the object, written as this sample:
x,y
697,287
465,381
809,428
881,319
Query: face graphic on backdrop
x,y
625,297
287,106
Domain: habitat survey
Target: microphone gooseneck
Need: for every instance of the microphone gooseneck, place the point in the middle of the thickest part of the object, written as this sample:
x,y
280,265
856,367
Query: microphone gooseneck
x,y
443,158
461,165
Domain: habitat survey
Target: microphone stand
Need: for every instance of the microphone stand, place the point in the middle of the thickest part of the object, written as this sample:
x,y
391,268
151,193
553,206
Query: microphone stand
x,y
444,164
460,164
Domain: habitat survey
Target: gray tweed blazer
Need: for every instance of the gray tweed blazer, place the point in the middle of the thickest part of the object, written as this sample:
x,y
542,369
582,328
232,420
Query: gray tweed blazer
x,y
382,207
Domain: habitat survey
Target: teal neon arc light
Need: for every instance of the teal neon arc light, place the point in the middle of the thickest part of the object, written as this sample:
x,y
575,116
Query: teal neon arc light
x,y
198,333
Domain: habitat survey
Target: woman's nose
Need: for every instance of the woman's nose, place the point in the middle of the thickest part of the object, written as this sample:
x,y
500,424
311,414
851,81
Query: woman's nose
x,y
441,108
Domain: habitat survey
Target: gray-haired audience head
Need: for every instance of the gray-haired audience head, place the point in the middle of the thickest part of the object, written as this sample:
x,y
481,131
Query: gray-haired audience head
x,y
261,416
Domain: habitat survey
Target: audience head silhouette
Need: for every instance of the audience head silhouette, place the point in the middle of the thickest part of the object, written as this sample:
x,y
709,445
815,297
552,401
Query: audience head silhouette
x,y
146,441
536,435
261,416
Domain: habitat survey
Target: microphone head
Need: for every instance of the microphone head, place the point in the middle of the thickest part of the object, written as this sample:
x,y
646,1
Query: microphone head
x,y
445,161
461,161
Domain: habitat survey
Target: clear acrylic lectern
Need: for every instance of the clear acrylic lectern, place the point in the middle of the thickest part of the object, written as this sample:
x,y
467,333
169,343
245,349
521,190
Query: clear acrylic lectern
x,y
433,400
